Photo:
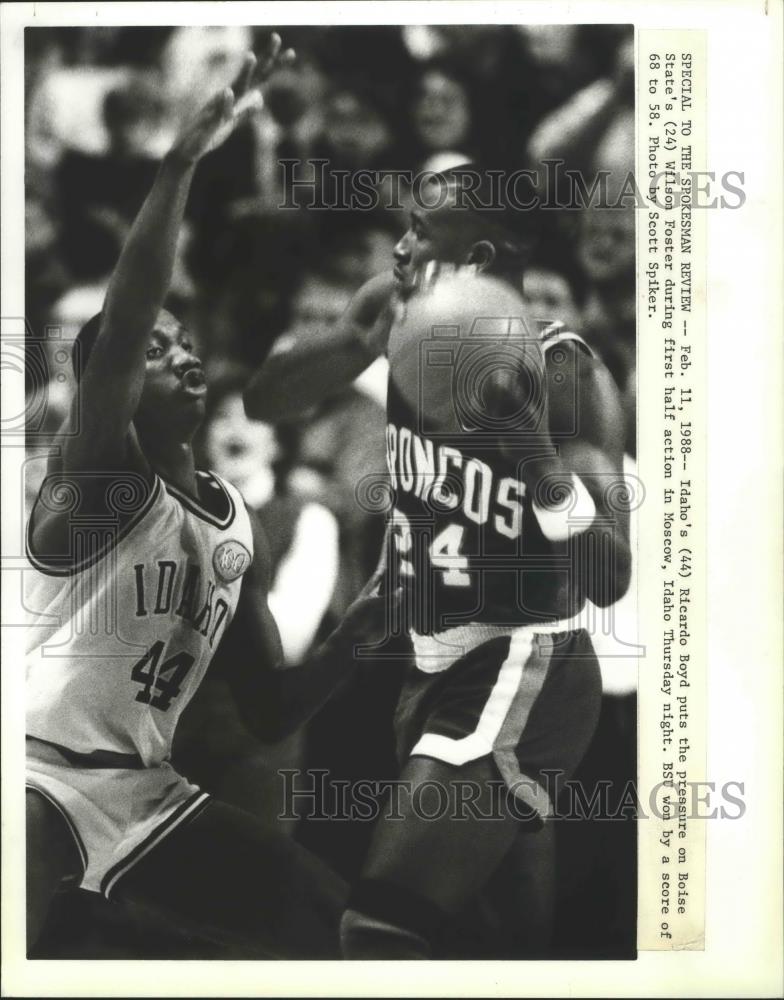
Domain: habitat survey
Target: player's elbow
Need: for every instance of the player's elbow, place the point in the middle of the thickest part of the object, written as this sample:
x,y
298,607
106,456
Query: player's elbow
x,y
256,695
273,731
273,394
270,714
611,582
267,724
258,399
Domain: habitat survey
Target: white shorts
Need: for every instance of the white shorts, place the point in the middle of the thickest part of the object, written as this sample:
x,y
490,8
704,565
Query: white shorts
x,y
116,815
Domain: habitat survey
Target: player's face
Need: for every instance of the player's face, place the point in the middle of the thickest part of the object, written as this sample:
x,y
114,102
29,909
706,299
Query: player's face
x,y
443,233
174,383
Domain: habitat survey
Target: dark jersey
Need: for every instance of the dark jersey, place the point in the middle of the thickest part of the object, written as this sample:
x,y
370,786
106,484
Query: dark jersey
x,y
465,543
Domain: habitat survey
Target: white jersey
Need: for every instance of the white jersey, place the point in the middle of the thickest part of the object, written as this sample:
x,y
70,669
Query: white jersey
x,y
119,644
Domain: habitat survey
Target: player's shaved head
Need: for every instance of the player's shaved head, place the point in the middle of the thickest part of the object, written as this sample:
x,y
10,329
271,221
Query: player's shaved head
x,y
486,211
85,339
472,222
454,225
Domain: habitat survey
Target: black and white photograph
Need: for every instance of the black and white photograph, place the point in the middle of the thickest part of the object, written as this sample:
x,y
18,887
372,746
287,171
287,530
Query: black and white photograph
x,y
337,466
329,548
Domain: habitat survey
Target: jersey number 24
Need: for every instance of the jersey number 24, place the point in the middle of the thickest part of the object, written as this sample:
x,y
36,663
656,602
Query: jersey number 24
x,y
444,551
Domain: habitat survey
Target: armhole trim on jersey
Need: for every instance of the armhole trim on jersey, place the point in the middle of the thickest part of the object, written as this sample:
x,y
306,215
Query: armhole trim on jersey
x,y
56,567
196,508
553,336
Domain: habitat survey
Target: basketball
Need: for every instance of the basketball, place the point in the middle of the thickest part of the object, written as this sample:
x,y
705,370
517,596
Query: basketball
x,y
450,337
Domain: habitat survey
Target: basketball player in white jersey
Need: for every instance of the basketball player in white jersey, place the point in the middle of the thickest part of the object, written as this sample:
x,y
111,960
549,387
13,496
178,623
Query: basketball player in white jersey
x,y
504,448
141,563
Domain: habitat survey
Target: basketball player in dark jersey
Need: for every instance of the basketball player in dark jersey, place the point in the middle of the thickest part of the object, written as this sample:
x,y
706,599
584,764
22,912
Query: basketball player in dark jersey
x,y
504,448
140,565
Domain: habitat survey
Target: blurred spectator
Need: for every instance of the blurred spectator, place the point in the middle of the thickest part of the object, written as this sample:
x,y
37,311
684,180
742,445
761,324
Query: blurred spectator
x,y
43,59
197,61
607,255
375,55
303,533
45,275
317,304
136,120
492,62
550,297
558,60
354,248
594,129
65,109
356,130
246,272
443,116
241,450
290,124
47,406
359,133
99,194
340,447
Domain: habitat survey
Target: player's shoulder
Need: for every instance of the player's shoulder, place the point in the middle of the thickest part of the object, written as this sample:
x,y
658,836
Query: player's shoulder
x,y
565,349
74,504
577,380
556,334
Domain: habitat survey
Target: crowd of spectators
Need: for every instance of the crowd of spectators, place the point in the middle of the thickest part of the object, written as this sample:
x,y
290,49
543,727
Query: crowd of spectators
x,y
101,108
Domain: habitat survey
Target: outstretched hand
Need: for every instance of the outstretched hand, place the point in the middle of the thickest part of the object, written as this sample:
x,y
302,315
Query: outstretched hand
x,y
231,106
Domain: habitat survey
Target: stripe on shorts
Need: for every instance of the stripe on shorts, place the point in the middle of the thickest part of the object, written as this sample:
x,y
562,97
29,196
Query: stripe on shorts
x,y
497,707
188,809
525,789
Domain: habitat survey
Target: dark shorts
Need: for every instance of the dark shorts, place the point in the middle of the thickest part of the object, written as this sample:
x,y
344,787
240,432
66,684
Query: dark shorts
x,y
529,700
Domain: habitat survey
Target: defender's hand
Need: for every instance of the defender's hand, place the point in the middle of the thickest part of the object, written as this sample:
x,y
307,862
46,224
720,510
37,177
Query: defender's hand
x,y
368,620
233,105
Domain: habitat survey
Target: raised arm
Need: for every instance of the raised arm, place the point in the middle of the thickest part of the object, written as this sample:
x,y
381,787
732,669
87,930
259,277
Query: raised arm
x,y
572,131
300,373
112,382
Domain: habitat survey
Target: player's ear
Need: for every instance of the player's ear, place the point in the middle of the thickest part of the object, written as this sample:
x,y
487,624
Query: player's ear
x,y
482,255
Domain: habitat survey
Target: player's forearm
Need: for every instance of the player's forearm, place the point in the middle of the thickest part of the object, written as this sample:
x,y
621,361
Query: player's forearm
x,y
605,561
299,375
275,699
303,690
574,494
143,273
562,501
275,702
570,506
